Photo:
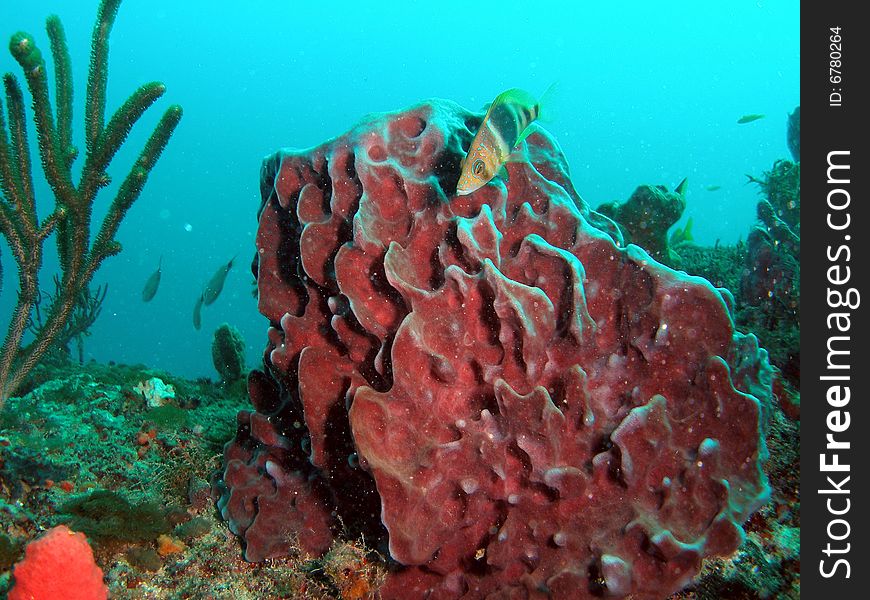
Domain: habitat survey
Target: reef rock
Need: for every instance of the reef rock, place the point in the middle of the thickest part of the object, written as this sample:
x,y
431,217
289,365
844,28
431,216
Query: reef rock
x,y
644,219
486,385
770,284
772,275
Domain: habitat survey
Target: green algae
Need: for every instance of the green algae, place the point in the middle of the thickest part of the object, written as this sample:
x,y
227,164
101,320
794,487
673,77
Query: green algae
x,y
10,550
167,417
146,559
193,529
108,516
722,265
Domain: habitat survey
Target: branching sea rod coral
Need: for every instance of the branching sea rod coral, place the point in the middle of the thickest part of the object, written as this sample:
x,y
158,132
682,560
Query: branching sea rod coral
x,y
70,220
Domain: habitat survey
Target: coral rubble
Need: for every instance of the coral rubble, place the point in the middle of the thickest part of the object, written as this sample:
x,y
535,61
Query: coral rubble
x,y
486,385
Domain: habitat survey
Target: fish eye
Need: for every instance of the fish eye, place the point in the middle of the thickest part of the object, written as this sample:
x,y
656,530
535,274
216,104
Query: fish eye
x,y
478,167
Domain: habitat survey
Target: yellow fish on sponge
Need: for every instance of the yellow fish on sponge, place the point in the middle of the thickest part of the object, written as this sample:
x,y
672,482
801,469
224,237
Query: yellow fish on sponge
x,y
507,123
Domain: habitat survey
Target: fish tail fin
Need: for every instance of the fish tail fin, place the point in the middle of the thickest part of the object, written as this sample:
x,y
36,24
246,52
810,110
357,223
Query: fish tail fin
x,y
546,111
532,127
681,187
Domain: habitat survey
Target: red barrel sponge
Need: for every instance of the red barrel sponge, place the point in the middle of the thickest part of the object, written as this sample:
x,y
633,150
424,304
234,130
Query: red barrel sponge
x,y
60,564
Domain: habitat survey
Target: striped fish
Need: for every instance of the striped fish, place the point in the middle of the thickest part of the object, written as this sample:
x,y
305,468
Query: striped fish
x,y
506,124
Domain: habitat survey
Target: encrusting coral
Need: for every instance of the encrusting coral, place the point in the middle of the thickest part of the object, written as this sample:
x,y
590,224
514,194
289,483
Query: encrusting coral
x,y
70,220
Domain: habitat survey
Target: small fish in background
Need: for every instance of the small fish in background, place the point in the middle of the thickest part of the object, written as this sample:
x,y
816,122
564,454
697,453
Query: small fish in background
x,y
754,179
713,188
150,289
216,284
749,118
197,313
507,123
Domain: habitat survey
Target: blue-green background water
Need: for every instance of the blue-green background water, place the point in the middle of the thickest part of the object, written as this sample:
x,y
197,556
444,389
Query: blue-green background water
x,y
648,93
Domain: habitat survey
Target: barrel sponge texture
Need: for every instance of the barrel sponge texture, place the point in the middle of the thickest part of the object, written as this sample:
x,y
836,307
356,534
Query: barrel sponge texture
x,y
488,385
60,564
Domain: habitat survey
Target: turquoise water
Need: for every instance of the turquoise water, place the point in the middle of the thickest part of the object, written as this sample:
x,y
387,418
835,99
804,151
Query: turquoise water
x,y
647,94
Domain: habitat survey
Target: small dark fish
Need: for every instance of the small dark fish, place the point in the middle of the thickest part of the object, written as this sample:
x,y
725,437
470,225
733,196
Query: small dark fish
x,y
152,284
713,188
197,313
215,285
749,118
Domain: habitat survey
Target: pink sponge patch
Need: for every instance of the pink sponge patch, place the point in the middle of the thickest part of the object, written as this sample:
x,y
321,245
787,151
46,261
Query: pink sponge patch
x,y
60,564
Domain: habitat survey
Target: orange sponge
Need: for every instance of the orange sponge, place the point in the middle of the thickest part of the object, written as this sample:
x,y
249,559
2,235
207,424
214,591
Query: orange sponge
x,y
60,564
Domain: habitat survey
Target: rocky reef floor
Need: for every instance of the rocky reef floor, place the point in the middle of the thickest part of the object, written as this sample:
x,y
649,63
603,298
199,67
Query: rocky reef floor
x,y
125,454
84,448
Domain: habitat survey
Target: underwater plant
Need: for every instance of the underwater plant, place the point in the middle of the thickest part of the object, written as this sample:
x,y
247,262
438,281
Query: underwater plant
x,y
108,516
70,220
86,309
